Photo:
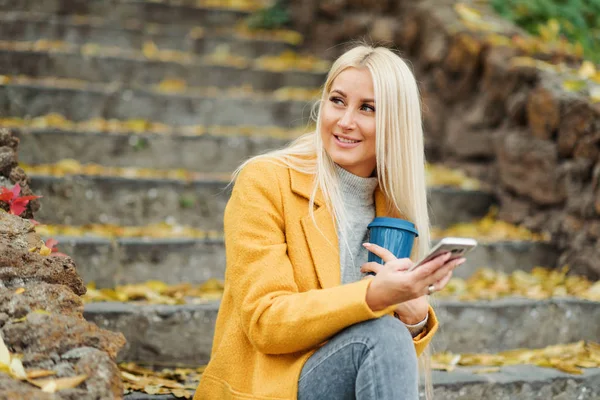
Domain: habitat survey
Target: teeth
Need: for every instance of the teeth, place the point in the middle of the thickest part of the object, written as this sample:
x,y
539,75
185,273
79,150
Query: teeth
x,y
341,139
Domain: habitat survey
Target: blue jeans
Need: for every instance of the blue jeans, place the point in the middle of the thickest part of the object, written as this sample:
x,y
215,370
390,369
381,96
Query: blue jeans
x,y
375,359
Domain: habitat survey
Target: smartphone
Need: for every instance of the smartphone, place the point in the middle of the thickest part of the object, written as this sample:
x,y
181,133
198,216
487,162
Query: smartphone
x,y
457,246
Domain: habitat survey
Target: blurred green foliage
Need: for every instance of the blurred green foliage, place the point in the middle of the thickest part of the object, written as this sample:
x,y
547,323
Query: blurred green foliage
x,y
274,17
576,20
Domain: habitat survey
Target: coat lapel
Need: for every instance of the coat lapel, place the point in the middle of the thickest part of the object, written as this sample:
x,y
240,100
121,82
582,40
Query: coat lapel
x,y
322,237
321,234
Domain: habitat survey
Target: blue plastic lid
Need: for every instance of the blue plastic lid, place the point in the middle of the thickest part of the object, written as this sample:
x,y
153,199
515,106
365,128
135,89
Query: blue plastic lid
x,y
397,223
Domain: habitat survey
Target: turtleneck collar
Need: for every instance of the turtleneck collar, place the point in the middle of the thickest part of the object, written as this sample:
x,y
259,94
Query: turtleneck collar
x,y
356,189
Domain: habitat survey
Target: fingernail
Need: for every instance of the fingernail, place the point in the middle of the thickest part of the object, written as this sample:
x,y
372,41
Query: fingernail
x,y
366,244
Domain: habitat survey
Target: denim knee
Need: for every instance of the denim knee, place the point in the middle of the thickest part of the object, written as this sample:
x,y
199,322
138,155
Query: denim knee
x,y
387,336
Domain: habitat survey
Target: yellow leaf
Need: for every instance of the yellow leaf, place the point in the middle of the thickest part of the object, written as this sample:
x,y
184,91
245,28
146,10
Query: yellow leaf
x,y
486,370
587,70
573,85
32,250
466,12
45,251
16,368
595,94
55,385
181,393
4,354
149,49
172,85
20,290
40,373
152,389
568,367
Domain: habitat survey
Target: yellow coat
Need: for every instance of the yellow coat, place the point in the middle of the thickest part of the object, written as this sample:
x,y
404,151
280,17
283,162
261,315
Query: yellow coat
x,y
283,297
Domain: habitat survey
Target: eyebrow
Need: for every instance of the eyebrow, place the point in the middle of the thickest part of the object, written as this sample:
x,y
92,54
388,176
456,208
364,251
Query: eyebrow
x,y
344,94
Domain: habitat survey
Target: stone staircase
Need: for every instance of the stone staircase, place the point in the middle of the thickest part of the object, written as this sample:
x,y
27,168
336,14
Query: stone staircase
x,y
110,58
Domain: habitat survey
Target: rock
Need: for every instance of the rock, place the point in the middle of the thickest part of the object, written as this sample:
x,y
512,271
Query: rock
x,y
543,113
469,143
576,122
104,377
528,166
434,125
8,160
384,30
19,232
55,299
331,8
461,67
516,105
8,139
43,336
12,389
407,34
433,41
374,6
500,80
355,25
587,147
18,268
583,259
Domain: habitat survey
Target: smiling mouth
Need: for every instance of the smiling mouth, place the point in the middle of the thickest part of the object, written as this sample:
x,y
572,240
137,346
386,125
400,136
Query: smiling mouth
x,y
344,140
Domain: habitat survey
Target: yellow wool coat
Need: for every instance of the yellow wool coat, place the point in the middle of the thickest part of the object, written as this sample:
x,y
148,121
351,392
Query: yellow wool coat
x,y
283,298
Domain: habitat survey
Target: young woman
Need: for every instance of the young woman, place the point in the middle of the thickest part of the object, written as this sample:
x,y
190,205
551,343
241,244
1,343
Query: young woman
x,y
299,316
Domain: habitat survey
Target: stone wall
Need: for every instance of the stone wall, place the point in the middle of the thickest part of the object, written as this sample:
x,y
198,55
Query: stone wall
x,y
41,316
495,105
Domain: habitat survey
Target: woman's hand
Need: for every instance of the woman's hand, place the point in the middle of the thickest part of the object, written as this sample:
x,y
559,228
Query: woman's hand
x,y
394,285
411,311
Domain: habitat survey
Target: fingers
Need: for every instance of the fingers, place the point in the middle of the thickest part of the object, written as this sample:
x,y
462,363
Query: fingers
x,y
446,269
379,251
439,285
371,267
431,266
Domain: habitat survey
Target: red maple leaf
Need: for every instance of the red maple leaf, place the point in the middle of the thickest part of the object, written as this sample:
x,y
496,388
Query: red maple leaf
x,y
16,204
51,244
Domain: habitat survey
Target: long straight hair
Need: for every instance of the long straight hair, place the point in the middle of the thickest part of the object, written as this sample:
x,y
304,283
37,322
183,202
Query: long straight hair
x,y
399,150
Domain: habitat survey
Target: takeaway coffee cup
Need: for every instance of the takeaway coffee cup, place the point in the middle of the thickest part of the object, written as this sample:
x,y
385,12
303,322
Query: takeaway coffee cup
x,y
395,234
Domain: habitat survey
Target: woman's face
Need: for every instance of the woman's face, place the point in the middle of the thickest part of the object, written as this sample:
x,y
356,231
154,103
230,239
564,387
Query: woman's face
x,y
348,122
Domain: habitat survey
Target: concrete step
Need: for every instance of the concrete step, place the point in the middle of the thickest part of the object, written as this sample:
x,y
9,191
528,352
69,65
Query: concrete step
x,y
120,261
515,382
23,100
137,70
211,152
120,11
30,27
199,203
183,334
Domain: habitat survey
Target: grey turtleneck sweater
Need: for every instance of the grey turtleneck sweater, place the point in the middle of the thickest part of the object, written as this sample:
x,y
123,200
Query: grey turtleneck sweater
x,y
359,206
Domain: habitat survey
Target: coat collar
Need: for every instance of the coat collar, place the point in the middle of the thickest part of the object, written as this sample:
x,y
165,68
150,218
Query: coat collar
x,y
322,237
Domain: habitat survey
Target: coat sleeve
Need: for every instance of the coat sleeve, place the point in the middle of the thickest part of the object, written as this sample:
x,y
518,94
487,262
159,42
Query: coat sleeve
x,y
275,316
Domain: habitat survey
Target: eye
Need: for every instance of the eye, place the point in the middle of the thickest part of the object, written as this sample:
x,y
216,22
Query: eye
x,y
336,100
367,107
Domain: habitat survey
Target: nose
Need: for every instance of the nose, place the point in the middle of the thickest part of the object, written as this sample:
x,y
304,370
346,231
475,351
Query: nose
x,y
346,122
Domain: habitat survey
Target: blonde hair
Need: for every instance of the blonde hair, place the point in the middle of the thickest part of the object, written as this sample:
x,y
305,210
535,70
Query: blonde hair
x,y
399,149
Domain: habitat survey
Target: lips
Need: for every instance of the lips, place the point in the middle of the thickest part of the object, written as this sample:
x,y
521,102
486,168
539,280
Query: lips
x,y
346,140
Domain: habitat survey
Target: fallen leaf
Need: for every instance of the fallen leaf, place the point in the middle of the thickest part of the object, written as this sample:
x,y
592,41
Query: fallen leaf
x,y
45,251
20,290
55,385
574,85
40,373
16,368
4,353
